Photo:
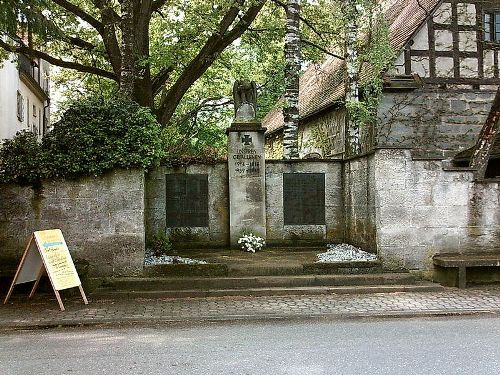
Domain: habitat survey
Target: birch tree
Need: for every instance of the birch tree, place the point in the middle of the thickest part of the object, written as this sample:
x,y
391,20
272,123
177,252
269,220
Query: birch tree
x,y
352,133
292,70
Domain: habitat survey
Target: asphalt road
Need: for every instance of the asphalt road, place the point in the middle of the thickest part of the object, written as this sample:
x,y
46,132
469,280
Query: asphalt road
x,y
396,346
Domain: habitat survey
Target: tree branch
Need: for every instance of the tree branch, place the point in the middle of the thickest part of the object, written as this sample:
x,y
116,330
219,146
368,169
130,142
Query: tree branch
x,y
302,19
58,62
159,80
314,45
112,16
108,34
201,105
209,52
79,12
157,5
486,139
81,43
243,24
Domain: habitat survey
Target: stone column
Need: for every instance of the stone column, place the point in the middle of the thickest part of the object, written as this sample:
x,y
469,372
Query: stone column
x,y
246,165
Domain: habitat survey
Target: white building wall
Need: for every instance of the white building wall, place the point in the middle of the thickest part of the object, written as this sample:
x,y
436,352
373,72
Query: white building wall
x,y
33,107
9,84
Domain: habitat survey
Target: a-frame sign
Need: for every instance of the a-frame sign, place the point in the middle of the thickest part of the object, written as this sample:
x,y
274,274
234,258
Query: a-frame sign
x,y
46,251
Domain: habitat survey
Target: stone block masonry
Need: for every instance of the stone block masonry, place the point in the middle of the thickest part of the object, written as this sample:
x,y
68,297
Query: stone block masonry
x,y
359,203
433,121
102,219
422,210
331,229
216,231
387,202
246,169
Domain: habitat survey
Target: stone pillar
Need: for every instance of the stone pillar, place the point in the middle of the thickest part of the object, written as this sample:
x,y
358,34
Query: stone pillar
x,y
246,165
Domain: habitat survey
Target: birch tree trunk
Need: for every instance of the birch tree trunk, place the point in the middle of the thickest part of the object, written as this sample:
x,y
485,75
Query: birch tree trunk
x,y
127,73
292,70
486,139
352,134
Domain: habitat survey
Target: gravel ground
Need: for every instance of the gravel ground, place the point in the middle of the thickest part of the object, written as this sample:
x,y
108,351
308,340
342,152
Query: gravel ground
x,y
335,253
345,253
152,259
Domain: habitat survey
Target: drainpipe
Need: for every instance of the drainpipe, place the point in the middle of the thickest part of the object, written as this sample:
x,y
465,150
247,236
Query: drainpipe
x,y
45,119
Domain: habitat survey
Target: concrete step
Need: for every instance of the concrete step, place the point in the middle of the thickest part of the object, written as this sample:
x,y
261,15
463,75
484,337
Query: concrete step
x,y
249,282
271,291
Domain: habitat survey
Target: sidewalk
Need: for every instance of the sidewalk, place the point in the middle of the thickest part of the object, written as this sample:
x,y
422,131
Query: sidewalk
x,y
43,311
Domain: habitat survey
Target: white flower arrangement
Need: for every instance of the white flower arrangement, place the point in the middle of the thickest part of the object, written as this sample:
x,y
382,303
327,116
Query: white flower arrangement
x,y
251,243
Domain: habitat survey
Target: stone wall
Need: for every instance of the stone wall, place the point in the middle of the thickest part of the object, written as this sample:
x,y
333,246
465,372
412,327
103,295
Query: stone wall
x,y
280,234
216,234
323,134
436,122
423,209
102,219
359,201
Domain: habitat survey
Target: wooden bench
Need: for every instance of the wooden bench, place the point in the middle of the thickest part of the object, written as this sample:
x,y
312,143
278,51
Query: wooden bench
x,y
464,261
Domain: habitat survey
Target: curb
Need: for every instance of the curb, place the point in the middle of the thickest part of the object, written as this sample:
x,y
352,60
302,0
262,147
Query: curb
x,y
109,323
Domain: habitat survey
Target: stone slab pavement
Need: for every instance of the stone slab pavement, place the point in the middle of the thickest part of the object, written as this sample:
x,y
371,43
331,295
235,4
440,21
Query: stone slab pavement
x,y
42,311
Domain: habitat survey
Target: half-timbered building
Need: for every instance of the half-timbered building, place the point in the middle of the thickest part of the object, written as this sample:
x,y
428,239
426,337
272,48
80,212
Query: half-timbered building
x,y
436,97
408,193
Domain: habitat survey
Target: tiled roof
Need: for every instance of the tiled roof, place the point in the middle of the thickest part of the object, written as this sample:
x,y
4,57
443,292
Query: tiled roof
x,y
322,85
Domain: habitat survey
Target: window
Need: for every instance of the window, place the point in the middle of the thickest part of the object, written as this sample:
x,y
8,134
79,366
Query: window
x,y
34,110
492,27
20,107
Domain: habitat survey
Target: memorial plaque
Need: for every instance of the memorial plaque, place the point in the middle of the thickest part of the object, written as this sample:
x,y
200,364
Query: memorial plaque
x,y
304,198
187,200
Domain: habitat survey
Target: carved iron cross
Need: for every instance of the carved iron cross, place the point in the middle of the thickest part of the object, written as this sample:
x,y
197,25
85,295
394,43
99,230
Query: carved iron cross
x,y
246,140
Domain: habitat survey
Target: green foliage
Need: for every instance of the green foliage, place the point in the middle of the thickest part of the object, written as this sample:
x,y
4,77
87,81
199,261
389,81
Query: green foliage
x,y
160,244
92,137
20,159
177,32
319,139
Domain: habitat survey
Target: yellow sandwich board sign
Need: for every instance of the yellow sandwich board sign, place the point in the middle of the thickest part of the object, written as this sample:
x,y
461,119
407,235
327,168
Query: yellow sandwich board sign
x,y
47,251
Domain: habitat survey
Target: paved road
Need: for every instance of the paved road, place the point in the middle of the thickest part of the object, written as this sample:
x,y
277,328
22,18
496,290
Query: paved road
x,y
405,346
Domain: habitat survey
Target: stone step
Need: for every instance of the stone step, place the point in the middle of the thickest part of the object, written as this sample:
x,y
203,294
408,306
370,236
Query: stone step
x,y
274,291
219,269
248,282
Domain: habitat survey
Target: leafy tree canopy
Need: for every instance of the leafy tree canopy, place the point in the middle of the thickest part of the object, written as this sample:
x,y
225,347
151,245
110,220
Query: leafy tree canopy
x,y
185,54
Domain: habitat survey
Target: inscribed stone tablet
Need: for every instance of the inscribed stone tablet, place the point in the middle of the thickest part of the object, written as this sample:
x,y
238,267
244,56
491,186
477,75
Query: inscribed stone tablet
x,y
304,198
187,200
